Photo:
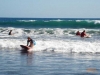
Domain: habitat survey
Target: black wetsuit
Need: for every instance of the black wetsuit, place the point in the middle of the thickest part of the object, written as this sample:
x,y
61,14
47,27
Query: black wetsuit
x,y
9,33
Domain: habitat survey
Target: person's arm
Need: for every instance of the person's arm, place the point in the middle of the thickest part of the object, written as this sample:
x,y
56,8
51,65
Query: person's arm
x,y
85,34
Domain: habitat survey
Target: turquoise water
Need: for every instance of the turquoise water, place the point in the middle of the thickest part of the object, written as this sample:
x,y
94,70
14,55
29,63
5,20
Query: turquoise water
x,y
15,62
50,22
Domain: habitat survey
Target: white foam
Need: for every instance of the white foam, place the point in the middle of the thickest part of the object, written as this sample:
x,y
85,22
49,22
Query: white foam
x,y
68,46
54,45
44,31
97,21
58,20
26,20
89,21
59,41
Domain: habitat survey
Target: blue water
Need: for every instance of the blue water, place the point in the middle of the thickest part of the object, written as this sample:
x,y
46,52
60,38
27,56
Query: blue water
x,y
15,62
50,22
58,51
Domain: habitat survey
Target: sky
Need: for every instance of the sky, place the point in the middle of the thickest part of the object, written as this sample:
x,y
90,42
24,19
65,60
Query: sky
x,y
50,8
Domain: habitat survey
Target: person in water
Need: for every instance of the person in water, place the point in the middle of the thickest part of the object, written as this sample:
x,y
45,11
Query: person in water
x,y
83,34
30,42
10,33
78,33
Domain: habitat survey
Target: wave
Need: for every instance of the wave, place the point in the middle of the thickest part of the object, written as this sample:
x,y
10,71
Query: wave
x,y
26,20
51,39
46,31
51,23
70,45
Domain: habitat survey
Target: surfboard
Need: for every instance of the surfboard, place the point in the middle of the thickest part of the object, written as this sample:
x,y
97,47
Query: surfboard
x,y
24,47
89,36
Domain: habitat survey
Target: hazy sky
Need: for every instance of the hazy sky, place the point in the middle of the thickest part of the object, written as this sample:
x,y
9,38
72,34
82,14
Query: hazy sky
x,y
50,8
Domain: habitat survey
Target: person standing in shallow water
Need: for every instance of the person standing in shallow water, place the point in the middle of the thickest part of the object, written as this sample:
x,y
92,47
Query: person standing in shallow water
x,y
30,42
10,33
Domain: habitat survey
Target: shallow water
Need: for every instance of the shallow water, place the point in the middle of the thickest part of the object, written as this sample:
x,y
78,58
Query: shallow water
x,y
16,62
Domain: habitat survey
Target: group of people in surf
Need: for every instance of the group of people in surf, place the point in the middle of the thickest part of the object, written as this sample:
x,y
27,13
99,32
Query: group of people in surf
x,y
30,42
82,34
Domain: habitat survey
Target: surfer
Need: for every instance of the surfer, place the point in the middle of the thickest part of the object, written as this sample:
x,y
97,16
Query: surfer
x,y
78,33
29,40
83,34
10,33
30,44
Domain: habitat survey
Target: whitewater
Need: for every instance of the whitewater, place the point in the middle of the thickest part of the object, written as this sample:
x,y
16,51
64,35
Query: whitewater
x,y
51,39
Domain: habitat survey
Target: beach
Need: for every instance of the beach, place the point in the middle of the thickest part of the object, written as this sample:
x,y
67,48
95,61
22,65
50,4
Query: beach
x,y
58,51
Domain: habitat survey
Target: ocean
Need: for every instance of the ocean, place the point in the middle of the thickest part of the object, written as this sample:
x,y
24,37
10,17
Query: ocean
x,y
58,51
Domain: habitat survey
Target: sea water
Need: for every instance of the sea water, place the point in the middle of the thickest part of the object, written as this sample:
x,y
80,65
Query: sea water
x,y
58,51
15,62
